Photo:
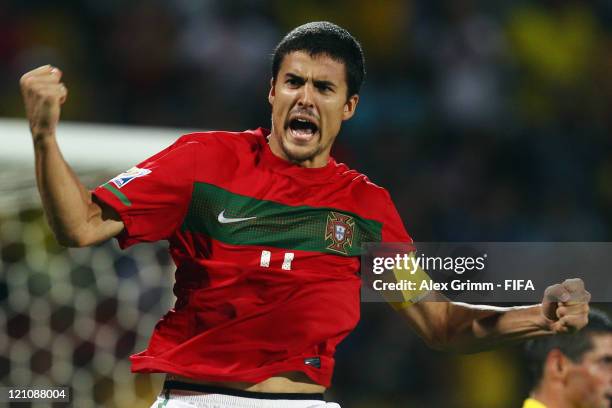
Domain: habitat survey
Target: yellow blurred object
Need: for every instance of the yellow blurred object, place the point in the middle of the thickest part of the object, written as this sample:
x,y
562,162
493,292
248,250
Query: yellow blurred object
x,y
558,47
485,380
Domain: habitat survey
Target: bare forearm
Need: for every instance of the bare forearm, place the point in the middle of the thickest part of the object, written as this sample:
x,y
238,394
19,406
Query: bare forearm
x,y
74,218
67,203
473,328
466,328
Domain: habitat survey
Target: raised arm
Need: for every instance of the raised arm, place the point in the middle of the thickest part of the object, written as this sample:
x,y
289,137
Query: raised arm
x,y
461,327
74,217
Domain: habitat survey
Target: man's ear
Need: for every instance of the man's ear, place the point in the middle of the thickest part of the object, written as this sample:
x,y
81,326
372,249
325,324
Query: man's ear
x,y
556,364
271,93
350,106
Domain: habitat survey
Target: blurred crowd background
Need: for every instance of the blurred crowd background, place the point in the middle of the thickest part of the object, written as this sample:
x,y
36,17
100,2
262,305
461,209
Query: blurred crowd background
x,y
487,121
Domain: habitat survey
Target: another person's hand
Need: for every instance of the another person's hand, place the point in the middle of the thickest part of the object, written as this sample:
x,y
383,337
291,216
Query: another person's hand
x,y
566,306
43,94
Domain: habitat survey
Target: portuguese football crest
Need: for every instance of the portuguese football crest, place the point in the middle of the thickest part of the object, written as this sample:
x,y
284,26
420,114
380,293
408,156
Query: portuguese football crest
x,y
339,230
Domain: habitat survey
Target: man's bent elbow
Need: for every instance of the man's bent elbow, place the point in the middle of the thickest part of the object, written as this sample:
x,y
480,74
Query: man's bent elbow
x,y
437,339
444,339
70,242
73,239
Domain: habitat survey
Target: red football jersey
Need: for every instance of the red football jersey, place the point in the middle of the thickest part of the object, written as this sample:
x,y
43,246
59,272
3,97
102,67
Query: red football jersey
x,y
267,255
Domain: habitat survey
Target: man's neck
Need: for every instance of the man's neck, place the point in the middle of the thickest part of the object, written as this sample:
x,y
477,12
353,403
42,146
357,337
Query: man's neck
x,y
277,149
551,396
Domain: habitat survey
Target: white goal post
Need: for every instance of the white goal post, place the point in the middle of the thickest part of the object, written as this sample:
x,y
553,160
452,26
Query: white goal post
x,y
88,146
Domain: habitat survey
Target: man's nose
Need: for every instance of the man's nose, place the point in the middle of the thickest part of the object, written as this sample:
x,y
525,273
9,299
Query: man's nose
x,y
306,96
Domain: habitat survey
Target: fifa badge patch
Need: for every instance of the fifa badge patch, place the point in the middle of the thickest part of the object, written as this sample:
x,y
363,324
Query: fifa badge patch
x,y
133,173
339,230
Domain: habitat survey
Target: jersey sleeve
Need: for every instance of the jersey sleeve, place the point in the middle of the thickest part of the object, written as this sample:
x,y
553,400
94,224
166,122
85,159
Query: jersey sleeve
x,y
153,197
394,233
393,227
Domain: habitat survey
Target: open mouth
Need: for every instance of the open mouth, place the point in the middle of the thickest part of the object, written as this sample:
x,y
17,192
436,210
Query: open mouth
x,y
303,129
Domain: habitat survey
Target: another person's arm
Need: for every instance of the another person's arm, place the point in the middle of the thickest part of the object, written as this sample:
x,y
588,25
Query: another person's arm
x,y
462,327
75,218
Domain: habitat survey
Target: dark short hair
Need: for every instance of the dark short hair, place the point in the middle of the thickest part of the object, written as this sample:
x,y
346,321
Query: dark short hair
x,y
324,38
573,346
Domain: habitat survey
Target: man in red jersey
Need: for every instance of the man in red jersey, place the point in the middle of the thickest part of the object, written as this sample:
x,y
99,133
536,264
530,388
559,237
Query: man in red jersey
x,y
266,230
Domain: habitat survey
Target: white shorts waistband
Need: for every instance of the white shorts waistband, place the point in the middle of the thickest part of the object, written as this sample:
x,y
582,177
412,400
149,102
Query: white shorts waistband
x,y
191,399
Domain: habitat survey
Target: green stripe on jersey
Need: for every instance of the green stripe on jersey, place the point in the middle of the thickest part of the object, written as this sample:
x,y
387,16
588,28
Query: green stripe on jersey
x,y
240,220
118,194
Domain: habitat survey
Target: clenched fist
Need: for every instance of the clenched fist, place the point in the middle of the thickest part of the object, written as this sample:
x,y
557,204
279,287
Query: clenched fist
x,y
43,94
566,306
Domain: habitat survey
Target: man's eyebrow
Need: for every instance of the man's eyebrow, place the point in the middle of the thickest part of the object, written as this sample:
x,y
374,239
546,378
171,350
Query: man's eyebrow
x,y
294,76
323,83
317,82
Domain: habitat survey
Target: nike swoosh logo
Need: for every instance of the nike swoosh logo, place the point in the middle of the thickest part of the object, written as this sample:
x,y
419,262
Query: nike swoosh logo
x,y
221,218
